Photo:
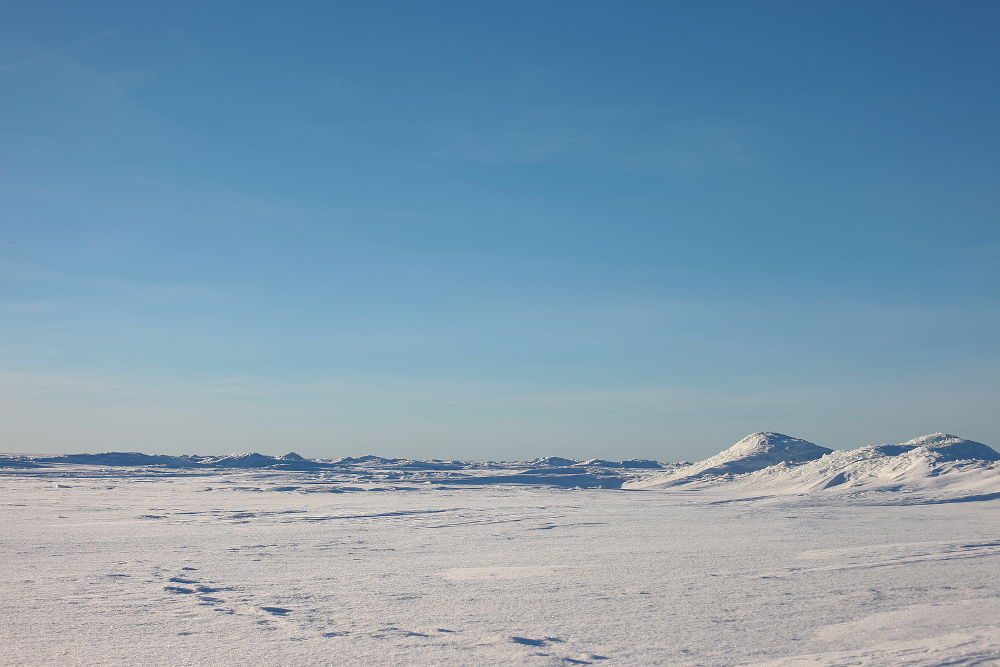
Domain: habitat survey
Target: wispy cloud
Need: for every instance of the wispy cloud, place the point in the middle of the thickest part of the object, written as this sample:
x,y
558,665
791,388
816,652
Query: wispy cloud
x,y
48,53
612,137
987,254
77,282
30,307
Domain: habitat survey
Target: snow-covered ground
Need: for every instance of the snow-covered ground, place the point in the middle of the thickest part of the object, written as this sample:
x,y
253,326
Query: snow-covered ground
x,y
369,561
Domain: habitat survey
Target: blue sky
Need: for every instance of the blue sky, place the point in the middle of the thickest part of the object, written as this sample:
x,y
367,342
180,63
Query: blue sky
x,y
497,230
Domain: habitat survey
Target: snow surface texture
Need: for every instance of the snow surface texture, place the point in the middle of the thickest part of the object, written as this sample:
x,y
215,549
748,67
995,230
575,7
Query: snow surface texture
x,y
886,555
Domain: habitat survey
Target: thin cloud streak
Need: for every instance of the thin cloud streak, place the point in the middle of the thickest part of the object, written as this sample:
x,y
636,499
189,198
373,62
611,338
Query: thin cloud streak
x,y
57,51
37,274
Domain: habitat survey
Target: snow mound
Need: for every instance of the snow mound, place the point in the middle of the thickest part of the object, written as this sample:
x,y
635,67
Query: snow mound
x,y
551,461
17,462
120,459
945,447
243,460
367,459
290,461
754,452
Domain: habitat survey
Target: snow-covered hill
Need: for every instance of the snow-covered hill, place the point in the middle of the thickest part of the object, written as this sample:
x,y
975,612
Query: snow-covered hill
x,y
933,468
754,452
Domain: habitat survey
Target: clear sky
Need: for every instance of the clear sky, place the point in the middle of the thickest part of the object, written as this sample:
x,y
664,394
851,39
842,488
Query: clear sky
x,y
497,230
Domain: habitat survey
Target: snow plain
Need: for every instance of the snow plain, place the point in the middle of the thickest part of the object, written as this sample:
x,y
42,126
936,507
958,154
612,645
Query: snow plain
x,y
190,566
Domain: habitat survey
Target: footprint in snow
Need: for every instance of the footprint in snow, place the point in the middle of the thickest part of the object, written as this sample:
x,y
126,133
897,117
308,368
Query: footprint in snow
x,y
580,659
277,611
526,641
178,589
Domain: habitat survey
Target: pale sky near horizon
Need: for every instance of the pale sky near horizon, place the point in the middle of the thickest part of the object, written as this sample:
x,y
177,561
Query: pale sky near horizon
x,y
497,230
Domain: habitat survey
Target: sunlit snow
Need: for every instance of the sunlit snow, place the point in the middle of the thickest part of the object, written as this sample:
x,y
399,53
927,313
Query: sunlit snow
x,y
775,551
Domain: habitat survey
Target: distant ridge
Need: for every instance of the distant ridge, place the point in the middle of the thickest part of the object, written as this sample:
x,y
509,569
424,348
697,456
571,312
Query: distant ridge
x,y
554,461
938,467
121,459
628,463
242,460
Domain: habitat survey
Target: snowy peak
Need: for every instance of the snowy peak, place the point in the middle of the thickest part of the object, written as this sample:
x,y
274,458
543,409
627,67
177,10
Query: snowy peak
x,y
756,451
766,442
945,447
